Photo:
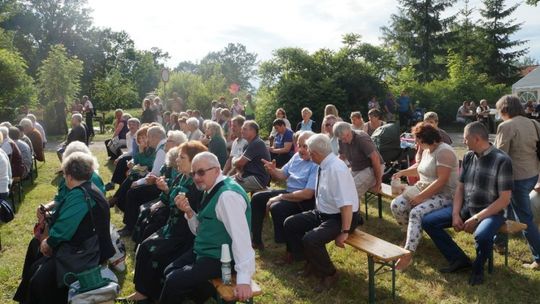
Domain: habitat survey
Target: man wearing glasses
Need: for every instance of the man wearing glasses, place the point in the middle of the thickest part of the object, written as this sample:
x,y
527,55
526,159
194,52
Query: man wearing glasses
x,y
224,217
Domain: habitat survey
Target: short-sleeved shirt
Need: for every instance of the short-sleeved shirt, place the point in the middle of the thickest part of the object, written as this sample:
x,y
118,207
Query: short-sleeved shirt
x,y
358,151
427,168
301,174
335,186
484,177
404,103
281,139
254,152
237,148
390,105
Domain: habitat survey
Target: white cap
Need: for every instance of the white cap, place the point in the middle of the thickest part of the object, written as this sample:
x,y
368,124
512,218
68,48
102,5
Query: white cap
x,y
225,253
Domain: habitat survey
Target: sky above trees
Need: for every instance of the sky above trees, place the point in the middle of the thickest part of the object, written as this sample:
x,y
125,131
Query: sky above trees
x,y
188,30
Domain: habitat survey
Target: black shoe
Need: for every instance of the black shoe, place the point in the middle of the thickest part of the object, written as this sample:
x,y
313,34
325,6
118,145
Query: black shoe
x,y
457,266
109,187
476,279
259,246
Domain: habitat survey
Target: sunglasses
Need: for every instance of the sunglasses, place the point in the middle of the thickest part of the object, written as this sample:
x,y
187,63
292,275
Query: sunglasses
x,y
200,172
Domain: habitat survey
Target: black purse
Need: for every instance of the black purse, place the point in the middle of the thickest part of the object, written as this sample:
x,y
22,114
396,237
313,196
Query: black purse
x,y
7,213
80,257
537,141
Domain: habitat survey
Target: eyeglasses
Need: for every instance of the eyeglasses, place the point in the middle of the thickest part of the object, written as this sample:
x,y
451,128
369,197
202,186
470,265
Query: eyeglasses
x,y
328,125
200,172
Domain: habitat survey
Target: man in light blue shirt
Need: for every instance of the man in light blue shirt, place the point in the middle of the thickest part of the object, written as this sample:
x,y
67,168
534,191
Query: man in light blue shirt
x,y
301,175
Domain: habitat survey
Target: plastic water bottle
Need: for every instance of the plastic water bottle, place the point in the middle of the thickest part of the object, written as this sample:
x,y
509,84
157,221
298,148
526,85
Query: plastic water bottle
x,y
395,184
226,269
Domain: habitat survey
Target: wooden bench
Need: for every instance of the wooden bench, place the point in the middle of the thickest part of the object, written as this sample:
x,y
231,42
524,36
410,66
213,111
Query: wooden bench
x,y
386,192
509,227
378,252
101,120
225,293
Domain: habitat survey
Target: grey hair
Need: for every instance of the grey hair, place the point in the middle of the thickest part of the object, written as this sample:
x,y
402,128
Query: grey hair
x,y
207,157
126,116
215,128
156,131
171,156
78,146
193,122
78,116
320,144
5,132
6,124
478,129
32,118
340,128
79,166
135,120
306,134
510,105
431,116
306,109
177,136
26,123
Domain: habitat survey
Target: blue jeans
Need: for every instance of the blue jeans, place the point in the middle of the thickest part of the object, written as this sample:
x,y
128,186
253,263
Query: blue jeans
x,y
435,223
520,209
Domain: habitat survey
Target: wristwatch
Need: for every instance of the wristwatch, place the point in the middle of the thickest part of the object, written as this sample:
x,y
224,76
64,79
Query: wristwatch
x,y
345,230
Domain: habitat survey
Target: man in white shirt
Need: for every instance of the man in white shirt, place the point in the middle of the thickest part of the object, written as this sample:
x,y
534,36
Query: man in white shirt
x,y
238,145
334,217
223,218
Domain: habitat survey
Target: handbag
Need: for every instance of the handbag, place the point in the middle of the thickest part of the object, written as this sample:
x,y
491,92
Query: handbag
x,y
537,141
6,211
77,258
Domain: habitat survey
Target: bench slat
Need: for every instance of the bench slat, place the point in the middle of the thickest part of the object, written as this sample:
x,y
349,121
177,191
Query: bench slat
x,y
511,227
380,249
227,291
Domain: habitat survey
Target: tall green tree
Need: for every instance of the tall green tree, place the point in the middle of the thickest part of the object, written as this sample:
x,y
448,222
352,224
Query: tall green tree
x,y
59,75
500,51
115,91
16,86
418,34
236,64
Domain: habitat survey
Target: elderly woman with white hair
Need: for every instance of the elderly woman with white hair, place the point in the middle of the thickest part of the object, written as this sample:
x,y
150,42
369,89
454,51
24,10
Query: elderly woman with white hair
x,y
193,127
217,144
38,126
5,173
15,157
307,124
69,222
35,137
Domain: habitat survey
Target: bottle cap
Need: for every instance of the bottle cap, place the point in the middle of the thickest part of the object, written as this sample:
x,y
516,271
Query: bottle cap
x,y
225,253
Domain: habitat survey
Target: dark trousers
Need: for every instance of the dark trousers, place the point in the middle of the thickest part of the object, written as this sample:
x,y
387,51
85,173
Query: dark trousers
x,y
119,174
308,233
134,199
187,277
281,159
32,255
121,193
404,118
89,124
258,212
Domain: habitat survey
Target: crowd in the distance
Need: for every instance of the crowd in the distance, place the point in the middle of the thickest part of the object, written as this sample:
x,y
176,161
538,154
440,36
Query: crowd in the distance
x,y
187,185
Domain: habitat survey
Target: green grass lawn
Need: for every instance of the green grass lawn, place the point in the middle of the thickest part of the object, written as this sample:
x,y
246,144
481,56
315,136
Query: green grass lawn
x,y
421,283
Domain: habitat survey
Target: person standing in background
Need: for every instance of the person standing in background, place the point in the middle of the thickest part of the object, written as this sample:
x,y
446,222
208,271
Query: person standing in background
x,y
88,109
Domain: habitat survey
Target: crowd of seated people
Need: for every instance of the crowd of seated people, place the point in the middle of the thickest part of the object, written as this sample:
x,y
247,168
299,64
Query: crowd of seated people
x,y
189,185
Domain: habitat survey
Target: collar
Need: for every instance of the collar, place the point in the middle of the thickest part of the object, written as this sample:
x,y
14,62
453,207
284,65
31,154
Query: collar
x,y
486,151
327,161
218,179
161,143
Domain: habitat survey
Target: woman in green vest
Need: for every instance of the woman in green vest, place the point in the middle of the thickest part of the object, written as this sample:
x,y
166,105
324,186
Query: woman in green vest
x,y
175,238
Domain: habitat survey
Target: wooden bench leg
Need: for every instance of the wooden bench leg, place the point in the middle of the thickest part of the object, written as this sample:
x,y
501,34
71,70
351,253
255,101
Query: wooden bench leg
x,y
394,280
371,279
506,251
490,261
379,201
366,202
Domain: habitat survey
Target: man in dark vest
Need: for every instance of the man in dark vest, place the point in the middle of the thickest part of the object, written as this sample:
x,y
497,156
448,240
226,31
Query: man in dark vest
x,y
224,217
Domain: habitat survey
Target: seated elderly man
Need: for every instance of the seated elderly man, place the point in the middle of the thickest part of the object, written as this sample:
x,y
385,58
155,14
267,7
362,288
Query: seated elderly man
x,y
334,217
223,218
301,174
77,133
38,127
483,192
35,137
282,149
251,174
367,165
